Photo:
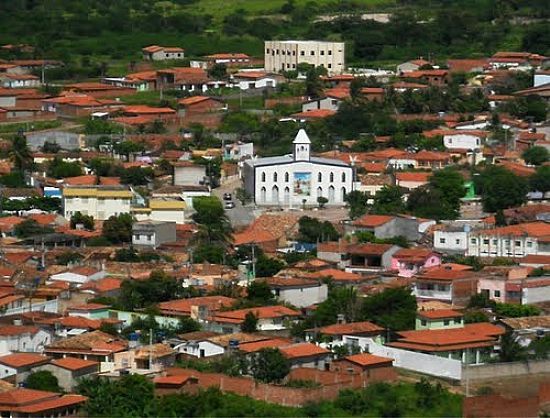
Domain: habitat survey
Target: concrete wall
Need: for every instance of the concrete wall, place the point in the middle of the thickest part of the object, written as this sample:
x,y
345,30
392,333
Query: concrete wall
x,y
66,140
192,175
286,55
536,294
419,362
304,296
497,370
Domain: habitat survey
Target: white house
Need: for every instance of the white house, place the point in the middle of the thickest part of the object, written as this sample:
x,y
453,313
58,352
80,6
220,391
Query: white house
x,y
269,318
542,77
452,240
253,80
22,338
511,241
464,139
79,275
330,102
162,210
100,202
162,53
298,179
298,292
200,348
153,233
188,173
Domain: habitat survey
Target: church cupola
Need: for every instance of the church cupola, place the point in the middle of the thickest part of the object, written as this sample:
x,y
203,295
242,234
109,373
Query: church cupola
x,y
302,146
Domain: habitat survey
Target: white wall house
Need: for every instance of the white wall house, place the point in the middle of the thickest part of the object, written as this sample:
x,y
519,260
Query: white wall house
x,y
299,293
79,275
327,103
23,339
200,349
294,180
246,80
541,77
162,53
286,55
101,202
153,233
452,240
511,241
463,140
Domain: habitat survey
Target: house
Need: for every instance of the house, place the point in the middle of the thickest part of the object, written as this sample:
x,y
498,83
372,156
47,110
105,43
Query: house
x,y
451,239
411,261
439,319
78,105
96,346
298,292
439,78
187,173
246,80
142,81
270,318
153,233
189,106
69,371
186,193
469,140
471,343
198,344
79,275
331,100
366,364
339,277
22,402
190,307
299,179
332,251
350,334
251,347
528,328
447,285
100,202
373,94
162,53
106,287
533,290
369,257
502,284
411,180
280,56
16,81
183,78
16,367
307,355
23,338
89,310
413,65
99,90
530,238
142,115
385,226
467,65
228,59
179,383
162,210
541,78
155,357
269,232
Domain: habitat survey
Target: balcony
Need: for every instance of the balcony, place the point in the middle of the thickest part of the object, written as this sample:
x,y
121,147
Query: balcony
x,y
433,294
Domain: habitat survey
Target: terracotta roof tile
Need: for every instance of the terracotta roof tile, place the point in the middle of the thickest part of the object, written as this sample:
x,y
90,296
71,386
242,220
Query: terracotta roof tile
x,y
371,221
23,359
365,359
73,363
351,328
439,314
300,350
252,347
183,306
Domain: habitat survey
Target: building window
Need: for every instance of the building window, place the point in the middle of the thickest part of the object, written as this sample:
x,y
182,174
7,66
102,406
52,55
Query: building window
x,y
319,177
274,177
263,177
486,241
458,321
495,242
496,293
517,243
446,322
343,177
329,65
457,241
149,237
136,237
286,177
424,322
267,51
331,177
529,244
329,52
322,52
442,240
312,53
474,241
302,53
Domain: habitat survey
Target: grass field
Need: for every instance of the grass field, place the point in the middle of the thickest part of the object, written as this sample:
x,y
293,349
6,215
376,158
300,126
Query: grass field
x,y
219,9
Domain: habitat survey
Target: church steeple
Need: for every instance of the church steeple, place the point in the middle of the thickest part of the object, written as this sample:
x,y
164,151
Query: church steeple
x,y
302,146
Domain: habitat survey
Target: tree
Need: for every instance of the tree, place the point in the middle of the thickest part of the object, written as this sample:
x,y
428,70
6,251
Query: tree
x,y
20,153
51,147
312,230
214,226
127,148
540,181
394,308
322,201
118,228
136,176
259,292
500,188
388,200
218,71
68,257
500,218
536,155
30,227
510,349
242,196
61,169
86,221
42,380
269,365
13,179
250,322
357,203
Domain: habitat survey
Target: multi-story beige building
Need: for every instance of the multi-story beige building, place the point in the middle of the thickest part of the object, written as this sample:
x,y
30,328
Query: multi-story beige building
x,y
286,55
101,202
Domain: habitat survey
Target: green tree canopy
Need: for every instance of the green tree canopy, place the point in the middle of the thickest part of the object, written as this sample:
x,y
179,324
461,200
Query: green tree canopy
x,y
536,155
250,323
59,169
269,365
313,230
540,181
500,188
85,220
42,380
394,308
388,200
357,203
118,229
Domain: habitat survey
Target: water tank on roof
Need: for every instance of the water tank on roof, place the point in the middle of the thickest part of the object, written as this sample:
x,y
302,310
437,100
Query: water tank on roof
x,y
233,343
467,228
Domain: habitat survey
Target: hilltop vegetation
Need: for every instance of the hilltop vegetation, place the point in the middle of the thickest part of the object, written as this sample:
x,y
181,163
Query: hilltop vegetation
x,y
92,35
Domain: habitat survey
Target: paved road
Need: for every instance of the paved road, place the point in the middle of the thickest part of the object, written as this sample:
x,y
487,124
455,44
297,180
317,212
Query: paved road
x,y
239,216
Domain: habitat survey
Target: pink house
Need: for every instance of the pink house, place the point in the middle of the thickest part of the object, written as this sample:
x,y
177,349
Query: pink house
x,y
500,283
411,261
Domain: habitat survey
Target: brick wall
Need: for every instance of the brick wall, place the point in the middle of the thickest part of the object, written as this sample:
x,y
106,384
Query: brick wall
x,y
544,393
331,382
271,103
499,406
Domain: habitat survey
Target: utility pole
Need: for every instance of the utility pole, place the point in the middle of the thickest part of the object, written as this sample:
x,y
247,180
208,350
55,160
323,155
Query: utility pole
x,y
150,349
253,261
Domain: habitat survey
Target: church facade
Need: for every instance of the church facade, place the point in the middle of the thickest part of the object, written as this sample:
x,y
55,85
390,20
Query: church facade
x,y
297,179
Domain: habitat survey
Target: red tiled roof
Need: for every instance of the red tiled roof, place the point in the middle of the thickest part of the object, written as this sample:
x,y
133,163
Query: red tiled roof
x,y
23,396
303,350
189,101
88,307
23,359
183,306
466,65
44,218
252,347
228,56
314,114
444,274
53,404
420,177
439,314
365,359
417,253
174,380
73,363
9,330
147,110
371,221
351,328
338,93
83,271
103,285
336,275
261,312
531,229
368,249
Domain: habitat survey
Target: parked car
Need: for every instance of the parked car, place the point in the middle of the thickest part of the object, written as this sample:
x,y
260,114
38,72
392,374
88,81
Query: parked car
x,y
227,196
229,205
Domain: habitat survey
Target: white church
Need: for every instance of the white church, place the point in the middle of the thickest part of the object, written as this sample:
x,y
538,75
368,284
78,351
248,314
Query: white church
x,y
297,179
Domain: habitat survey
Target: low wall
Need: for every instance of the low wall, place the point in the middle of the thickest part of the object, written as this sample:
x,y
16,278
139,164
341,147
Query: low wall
x,y
419,362
519,368
499,406
46,306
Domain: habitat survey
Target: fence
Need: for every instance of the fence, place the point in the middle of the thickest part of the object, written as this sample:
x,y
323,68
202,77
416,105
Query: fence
x,y
491,371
